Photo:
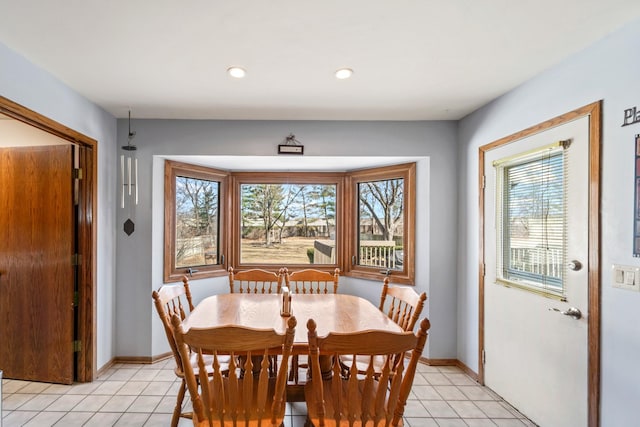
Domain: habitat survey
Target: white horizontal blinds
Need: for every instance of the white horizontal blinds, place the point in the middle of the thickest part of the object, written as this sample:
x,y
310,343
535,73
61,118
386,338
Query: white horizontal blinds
x,y
531,220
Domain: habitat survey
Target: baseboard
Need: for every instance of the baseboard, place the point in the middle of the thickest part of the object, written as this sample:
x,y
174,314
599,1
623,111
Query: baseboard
x,y
143,359
467,370
439,362
451,362
103,369
132,359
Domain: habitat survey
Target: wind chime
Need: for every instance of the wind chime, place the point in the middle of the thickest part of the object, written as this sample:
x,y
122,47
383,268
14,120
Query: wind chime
x,y
129,178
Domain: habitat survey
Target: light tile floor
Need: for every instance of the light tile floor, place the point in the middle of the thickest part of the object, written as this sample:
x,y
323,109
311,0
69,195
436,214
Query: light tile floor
x,y
144,395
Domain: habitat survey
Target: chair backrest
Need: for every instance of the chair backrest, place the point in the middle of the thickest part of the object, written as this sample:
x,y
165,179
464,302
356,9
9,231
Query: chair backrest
x,y
233,397
371,398
254,281
170,300
403,305
312,281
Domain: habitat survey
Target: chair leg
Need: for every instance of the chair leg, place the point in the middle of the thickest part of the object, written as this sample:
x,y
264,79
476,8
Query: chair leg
x,y
177,411
293,373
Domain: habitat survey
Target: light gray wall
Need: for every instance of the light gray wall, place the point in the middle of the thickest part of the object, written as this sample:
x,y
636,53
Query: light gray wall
x,y
140,255
608,70
36,89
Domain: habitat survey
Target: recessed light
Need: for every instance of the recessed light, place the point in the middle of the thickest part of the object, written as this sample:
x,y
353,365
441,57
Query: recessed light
x,y
344,73
237,72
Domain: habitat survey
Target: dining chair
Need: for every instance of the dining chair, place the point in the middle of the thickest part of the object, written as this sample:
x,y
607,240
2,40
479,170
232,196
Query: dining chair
x,y
310,281
254,281
176,300
402,304
366,399
247,395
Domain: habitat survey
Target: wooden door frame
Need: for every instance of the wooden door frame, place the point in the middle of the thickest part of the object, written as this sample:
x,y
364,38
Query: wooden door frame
x,y
594,111
87,231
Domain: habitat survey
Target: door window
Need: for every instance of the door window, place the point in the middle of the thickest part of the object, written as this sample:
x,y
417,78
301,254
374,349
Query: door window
x,y
531,220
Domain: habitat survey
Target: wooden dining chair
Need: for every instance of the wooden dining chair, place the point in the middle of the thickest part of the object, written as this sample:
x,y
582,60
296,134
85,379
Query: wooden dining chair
x,y
254,281
247,395
402,304
310,281
176,300
367,399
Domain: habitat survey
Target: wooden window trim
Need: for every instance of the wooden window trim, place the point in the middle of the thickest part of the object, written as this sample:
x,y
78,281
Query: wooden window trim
x,y
406,171
240,178
173,169
345,221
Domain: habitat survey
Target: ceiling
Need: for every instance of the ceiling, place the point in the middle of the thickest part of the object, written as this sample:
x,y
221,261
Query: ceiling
x,y
412,59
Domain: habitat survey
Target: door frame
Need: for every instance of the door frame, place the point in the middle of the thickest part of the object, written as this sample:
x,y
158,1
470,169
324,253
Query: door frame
x,y
594,111
87,231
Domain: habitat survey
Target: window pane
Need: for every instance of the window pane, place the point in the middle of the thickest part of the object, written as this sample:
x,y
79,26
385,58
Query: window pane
x,y
287,224
197,209
533,223
380,223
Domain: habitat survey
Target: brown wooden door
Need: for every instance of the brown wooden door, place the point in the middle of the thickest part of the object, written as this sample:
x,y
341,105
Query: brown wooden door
x,y
37,243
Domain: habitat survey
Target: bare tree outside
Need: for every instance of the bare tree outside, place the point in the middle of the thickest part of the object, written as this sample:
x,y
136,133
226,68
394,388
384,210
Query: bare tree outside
x,y
196,222
381,213
281,223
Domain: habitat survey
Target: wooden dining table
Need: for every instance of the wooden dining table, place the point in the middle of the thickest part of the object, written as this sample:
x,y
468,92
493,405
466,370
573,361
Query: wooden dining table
x,y
332,313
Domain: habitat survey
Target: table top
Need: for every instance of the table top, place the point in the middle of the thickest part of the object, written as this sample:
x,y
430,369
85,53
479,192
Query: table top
x,y
332,313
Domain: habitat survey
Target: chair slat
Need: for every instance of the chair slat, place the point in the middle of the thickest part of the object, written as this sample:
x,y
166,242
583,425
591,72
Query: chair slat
x,y
311,281
254,281
234,392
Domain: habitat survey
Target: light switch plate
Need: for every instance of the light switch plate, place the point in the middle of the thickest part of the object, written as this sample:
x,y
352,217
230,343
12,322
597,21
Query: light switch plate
x,y
625,277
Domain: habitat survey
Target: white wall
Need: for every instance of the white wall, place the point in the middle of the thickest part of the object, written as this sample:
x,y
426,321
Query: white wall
x,y
608,70
140,255
34,88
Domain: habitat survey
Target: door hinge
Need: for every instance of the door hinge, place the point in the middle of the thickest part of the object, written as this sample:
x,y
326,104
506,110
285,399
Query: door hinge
x,y
484,269
484,357
76,298
77,173
76,259
77,346
484,181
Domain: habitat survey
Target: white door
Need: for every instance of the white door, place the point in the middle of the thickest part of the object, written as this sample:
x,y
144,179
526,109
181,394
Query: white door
x,y
536,352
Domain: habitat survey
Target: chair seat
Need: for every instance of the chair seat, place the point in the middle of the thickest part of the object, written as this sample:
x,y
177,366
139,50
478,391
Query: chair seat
x,y
329,402
208,360
362,363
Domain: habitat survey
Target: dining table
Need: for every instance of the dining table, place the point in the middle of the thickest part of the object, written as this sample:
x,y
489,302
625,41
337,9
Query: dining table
x,y
332,313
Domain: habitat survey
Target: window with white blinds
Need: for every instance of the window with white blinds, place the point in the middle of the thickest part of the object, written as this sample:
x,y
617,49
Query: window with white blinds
x,y
531,220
